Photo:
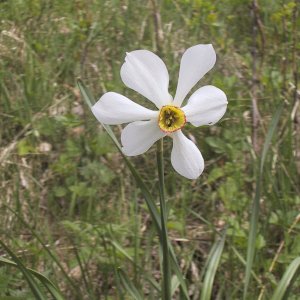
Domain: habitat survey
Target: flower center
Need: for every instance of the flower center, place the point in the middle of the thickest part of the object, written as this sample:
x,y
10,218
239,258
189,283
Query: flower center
x,y
171,118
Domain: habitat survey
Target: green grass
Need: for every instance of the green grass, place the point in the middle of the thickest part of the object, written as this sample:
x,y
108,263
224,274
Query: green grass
x,y
70,208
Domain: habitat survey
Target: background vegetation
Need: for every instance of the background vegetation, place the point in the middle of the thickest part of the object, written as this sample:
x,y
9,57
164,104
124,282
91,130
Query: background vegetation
x,y
70,208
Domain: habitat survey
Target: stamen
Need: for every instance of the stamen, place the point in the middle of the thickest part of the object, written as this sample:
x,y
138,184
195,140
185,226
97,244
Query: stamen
x,y
171,118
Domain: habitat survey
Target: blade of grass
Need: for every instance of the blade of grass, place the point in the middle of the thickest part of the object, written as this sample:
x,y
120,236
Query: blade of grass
x,y
236,252
255,204
53,290
85,276
53,257
118,247
150,279
290,275
178,272
277,254
146,193
87,96
36,290
129,286
213,263
117,277
175,283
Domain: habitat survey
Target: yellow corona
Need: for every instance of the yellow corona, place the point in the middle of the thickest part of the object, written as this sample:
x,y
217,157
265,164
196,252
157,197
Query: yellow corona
x,y
171,118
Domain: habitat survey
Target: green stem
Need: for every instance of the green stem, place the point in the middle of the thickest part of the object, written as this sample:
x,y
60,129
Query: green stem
x,y
166,280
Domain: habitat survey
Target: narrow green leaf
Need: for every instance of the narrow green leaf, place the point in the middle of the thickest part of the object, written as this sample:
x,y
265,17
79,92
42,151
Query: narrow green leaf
x,y
146,193
129,286
174,284
119,289
283,288
178,272
36,290
256,200
53,290
87,96
140,183
236,252
122,250
213,263
86,278
53,257
270,134
149,278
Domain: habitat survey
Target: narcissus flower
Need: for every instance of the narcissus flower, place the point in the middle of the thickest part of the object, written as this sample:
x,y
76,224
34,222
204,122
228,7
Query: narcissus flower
x,y
146,73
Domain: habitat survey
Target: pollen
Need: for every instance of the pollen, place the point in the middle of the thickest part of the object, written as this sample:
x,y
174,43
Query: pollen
x,y
171,118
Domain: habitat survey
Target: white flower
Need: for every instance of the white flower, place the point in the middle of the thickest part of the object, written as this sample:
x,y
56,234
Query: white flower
x,y
146,73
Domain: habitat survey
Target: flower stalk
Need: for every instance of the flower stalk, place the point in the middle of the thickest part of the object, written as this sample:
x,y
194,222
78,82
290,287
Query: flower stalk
x,y
166,272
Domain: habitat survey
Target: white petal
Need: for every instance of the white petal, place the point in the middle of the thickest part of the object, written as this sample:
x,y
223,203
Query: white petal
x,y
113,109
138,137
206,106
146,73
195,63
186,157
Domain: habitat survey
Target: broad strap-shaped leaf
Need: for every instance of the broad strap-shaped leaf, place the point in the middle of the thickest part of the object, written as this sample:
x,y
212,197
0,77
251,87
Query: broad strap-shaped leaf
x,y
284,285
212,266
34,287
53,290
256,200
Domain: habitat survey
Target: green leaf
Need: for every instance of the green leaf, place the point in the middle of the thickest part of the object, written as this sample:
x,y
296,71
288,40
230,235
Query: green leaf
x,y
140,183
129,286
53,290
36,290
53,257
215,174
150,279
146,193
60,191
217,144
122,250
255,204
213,263
87,96
177,271
25,148
283,288
101,144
